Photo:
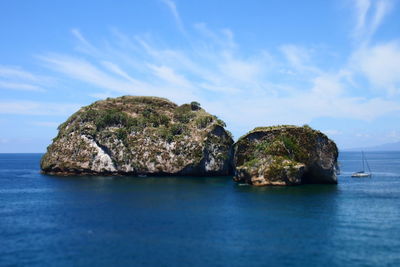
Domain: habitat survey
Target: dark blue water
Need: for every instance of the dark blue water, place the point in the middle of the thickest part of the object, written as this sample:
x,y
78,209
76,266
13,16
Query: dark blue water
x,y
103,221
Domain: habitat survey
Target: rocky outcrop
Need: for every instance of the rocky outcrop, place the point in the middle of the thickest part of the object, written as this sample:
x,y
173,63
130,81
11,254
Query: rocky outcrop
x,y
140,136
285,155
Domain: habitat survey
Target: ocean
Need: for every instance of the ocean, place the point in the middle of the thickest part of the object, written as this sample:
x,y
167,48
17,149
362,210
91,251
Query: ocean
x,y
198,221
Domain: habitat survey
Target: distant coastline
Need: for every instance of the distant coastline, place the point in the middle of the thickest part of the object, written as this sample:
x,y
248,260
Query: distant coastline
x,y
389,147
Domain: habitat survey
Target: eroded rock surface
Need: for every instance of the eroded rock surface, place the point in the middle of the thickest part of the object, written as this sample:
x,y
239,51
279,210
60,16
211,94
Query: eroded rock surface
x,y
140,136
285,155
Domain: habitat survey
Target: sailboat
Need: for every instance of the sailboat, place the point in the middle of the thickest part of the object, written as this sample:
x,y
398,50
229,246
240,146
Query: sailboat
x,y
362,173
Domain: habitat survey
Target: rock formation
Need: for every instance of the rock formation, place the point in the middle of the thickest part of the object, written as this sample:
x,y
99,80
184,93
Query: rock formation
x,y
140,136
285,155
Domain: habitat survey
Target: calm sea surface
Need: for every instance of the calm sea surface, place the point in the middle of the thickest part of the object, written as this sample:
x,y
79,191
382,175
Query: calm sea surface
x,y
104,221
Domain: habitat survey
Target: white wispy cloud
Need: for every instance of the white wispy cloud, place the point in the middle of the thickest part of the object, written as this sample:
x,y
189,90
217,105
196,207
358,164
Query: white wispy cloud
x,y
223,38
369,15
382,8
84,45
20,86
16,72
380,64
85,71
361,11
114,68
299,58
15,78
169,76
113,78
37,108
172,7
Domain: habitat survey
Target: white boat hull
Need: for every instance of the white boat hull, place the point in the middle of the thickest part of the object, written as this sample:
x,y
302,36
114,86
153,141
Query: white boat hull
x,y
360,175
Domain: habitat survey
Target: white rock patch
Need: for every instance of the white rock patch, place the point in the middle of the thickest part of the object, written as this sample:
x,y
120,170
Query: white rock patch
x,y
102,161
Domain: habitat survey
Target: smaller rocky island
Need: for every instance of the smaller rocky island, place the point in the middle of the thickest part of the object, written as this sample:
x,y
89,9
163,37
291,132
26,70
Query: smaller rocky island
x,y
285,155
133,135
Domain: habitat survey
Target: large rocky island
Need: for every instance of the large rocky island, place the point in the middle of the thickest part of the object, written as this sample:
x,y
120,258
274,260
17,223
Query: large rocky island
x,y
140,136
285,155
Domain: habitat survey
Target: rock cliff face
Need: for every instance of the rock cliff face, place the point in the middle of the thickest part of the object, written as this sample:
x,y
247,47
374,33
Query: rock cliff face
x,y
139,136
285,155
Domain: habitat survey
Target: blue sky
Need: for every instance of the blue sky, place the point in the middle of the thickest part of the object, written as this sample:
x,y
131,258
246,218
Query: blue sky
x,y
334,65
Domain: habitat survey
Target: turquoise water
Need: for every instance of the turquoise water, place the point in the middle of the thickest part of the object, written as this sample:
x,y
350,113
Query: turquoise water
x,y
171,221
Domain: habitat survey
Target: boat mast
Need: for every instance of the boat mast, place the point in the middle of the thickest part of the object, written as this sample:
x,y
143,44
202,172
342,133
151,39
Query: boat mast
x,y
369,169
362,158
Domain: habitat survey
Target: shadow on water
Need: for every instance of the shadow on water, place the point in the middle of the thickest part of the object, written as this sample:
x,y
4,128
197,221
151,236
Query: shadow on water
x,y
131,183
308,189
